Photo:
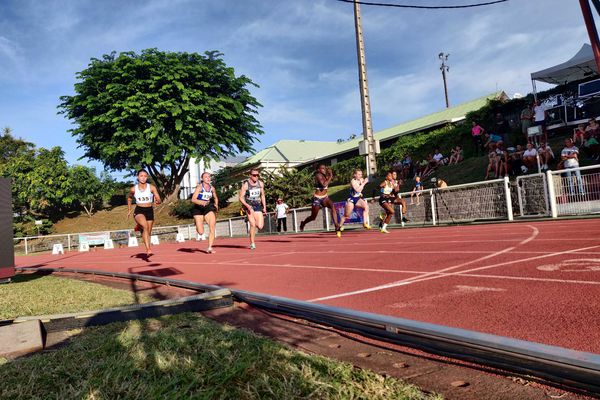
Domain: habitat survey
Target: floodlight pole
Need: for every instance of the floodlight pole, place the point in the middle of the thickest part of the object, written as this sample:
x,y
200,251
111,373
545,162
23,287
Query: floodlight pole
x,y
444,68
369,142
591,29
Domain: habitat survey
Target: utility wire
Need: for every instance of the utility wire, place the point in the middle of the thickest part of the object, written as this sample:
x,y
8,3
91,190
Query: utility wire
x,y
368,3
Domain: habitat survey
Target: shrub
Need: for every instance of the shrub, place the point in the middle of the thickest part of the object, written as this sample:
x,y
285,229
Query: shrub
x,y
183,209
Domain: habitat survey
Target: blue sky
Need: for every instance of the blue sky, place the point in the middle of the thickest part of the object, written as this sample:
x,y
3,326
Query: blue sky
x,y
301,52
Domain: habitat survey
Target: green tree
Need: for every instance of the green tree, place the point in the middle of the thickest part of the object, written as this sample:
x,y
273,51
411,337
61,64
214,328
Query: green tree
x,y
157,109
88,190
295,187
11,147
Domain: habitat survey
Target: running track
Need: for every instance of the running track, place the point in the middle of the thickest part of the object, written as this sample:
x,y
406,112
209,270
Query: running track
x,y
538,281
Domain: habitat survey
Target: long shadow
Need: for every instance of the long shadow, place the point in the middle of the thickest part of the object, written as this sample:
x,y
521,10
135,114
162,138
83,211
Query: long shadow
x,y
141,256
231,246
190,250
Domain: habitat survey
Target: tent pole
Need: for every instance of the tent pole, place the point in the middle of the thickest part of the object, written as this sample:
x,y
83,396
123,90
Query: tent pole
x,y
591,28
534,90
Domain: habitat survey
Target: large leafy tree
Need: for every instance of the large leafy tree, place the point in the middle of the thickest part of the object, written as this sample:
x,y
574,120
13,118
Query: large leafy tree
x,y
89,190
295,187
157,109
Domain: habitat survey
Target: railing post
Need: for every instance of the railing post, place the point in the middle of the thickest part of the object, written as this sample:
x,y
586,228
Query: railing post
x,y
520,196
26,250
326,218
189,232
69,242
269,220
230,228
509,209
551,194
433,211
295,220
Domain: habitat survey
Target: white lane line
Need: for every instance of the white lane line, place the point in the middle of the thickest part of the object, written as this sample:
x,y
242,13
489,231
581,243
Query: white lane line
x,y
408,282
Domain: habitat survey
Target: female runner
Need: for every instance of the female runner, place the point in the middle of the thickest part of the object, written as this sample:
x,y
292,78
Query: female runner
x,y
355,200
206,206
323,177
145,196
386,200
252,197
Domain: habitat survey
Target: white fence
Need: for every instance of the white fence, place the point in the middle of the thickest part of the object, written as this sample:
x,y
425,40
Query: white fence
x,y
555,193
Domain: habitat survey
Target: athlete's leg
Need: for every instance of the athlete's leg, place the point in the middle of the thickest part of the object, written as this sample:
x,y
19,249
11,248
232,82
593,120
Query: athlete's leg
x,y
347,212
329,204
141,221
389,212
252,223
362,203
211,220
313,215
199,221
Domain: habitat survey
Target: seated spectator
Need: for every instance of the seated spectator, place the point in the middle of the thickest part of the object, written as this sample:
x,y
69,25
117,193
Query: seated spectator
x,y
477,134
546,155
456,155
439,157
441,184
515,160
592,129
416,190
431,166
529,158
579,134
407,167
492,164
592,148
421,167
502,160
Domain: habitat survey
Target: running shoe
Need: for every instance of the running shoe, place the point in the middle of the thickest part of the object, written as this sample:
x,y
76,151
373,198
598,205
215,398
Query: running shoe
x,y
302,224
405,220
252,246
342,228
209,250
367,226
338,233
383,230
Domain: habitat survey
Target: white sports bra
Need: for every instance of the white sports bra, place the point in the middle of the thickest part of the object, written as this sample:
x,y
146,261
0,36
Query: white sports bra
x,y
143,196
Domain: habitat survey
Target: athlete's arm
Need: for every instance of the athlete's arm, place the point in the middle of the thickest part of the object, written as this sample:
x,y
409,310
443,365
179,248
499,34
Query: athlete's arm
x,y
130,200
216,198
156,195
262,197
243,196
323,181
196,194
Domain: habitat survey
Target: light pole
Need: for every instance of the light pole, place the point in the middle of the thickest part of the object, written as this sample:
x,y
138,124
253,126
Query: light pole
x,y
444,68
369,146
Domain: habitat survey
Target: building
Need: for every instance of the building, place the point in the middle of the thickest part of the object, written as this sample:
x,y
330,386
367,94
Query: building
x,y
301,153
197,167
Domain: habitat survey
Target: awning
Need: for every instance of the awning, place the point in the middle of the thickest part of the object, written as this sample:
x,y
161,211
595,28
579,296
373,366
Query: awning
x,y
581,65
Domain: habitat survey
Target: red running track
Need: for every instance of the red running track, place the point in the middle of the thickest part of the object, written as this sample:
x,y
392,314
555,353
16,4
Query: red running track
x,y
537,281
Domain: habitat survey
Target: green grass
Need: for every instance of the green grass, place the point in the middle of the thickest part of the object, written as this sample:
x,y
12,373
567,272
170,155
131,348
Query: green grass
x,y
34,294
174,357
186,356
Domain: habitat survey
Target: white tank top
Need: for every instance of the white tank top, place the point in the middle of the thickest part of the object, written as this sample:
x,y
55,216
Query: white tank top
x,y
143,196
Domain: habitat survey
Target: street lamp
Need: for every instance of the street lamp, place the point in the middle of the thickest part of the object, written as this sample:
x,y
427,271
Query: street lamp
x,y
444,68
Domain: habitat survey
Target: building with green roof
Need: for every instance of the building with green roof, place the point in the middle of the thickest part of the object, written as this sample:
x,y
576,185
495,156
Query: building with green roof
x,y
298,153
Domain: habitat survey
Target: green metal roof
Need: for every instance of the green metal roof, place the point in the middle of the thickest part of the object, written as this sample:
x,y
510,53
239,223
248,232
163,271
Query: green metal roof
x,y
305,151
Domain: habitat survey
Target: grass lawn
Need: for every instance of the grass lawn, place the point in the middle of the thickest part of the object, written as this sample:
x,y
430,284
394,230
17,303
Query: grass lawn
x,y
174,357
33,294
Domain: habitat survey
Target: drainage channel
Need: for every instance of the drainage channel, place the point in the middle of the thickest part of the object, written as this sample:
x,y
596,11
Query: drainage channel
x,y
569,369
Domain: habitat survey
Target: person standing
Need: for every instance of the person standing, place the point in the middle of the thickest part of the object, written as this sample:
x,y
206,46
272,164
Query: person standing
x,y
539,119
252,197
145,196
282,209
526,121
570,157
501,127
477,134
206,206
323,177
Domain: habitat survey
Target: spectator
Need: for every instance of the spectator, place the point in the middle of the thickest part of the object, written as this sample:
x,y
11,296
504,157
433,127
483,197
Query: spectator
x,y
441,184
407,167
529,158
456,155
477,133
502,160
282,210
431,166
539,119
501,127
515,161
416,190
526,120
593,129
592,148
439,158
570,157
546,155
492,164
579,134
422,166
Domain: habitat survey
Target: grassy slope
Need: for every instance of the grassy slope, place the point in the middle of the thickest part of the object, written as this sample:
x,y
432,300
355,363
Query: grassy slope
x,y
39,295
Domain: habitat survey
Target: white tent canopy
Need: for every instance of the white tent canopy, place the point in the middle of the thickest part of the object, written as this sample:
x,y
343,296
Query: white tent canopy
x,y
580,66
